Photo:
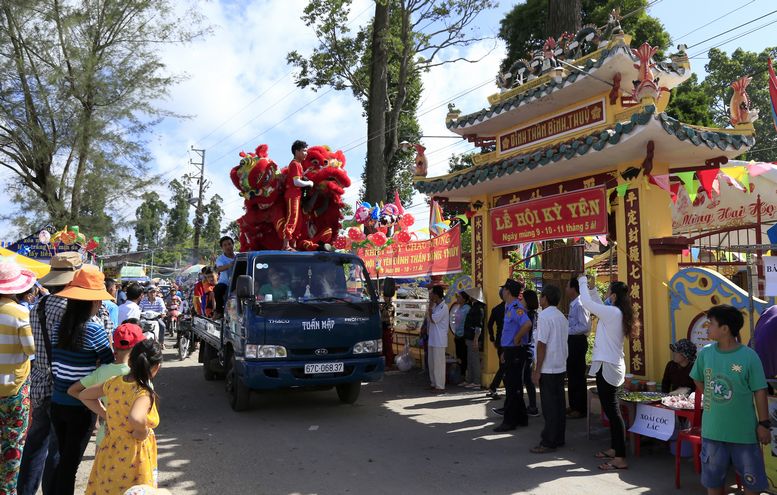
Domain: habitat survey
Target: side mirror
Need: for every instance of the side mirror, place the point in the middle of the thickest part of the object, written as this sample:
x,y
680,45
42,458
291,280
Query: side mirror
x,y
245,287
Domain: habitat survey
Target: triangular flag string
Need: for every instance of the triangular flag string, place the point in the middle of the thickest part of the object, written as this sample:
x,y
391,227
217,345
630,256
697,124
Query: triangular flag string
x,y
674,191
661,181
758,168
621,189
740,175
707,177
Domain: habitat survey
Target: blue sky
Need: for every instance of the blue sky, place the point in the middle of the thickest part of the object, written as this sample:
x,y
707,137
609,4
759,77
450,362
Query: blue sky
x,y
240,91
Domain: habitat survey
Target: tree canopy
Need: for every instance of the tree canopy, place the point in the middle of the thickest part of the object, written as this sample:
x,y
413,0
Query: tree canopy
x,y
80,86
525,28
381,64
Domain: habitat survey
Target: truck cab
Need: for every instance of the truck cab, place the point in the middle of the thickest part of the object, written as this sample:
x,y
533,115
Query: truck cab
x,y
300,320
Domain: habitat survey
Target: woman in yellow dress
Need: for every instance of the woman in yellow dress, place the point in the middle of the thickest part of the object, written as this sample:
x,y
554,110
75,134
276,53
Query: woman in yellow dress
x,y
127,455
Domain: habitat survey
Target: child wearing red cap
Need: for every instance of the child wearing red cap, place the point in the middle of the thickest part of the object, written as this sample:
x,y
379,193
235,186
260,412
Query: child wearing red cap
x,y
125,337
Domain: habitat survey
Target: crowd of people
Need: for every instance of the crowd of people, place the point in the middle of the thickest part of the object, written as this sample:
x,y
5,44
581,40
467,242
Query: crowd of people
x,y
538,345
69,356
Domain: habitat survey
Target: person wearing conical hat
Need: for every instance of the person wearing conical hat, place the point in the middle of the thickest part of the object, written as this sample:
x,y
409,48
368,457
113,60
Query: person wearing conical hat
x,y
15,353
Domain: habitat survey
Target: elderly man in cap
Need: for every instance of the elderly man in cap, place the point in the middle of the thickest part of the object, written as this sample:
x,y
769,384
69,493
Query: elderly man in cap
x,y
516,354
41,453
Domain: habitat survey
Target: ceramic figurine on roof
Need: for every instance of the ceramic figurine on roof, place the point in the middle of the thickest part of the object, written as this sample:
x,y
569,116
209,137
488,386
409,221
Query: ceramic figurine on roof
x,y
739,107
421,162
645,86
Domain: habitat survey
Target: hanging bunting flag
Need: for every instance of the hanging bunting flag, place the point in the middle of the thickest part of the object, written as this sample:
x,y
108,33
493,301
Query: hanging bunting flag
x,y
716,186
730,180
674,190
707,177
621,189
647,182
602,240
661,181
758,168
773,92
740,175
690,184
437,223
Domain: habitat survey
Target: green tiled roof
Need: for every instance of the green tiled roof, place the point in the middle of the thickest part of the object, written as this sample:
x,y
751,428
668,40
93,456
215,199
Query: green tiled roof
x,y
552,86
583,145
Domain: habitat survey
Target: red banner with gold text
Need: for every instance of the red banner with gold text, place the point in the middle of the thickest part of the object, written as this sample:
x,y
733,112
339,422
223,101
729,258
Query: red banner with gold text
x,y
437,256
574,214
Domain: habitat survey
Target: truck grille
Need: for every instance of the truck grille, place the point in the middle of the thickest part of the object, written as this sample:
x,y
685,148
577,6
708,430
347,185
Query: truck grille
x,y
312,352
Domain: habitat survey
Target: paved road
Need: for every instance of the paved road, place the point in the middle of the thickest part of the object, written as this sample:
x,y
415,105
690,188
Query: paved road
x,y
396,439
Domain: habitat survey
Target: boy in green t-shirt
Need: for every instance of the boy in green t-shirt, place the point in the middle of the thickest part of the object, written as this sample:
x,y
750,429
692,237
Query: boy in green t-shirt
x,y
734,384
125,337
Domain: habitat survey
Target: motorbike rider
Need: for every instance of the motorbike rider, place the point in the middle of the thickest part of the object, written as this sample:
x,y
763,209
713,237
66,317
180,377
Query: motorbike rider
x,y
154,302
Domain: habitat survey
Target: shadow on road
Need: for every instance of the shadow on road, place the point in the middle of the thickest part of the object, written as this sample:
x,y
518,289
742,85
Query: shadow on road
x,y
395,439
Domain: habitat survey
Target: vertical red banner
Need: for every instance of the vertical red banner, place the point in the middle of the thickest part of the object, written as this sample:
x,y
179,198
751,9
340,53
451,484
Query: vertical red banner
x,y
477,250
634,280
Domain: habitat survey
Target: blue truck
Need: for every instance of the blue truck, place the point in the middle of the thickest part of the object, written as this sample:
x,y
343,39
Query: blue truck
x,y
294,320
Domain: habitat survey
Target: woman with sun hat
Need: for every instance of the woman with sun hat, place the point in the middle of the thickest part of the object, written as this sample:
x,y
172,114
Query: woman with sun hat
x,y
17,347
79,344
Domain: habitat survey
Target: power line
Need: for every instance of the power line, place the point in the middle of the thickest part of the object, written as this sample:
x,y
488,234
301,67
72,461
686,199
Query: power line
x,y
733,29
714,20
734,38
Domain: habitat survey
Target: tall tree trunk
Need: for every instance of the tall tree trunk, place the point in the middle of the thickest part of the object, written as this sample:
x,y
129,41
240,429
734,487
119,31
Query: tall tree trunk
x,y
564,15
375,186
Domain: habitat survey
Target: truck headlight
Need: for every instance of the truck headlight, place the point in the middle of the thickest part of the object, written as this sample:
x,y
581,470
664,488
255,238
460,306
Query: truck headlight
x,y
254,351
368,347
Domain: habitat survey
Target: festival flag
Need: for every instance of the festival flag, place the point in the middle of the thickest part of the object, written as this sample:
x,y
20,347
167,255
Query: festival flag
x,y
731,180
690,184
661,181
622,188
758,168
773,92
707,179
437,223
674,191
740,176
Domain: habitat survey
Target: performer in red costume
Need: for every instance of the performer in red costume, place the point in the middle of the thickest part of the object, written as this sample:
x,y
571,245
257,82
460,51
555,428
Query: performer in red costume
x,y
292,193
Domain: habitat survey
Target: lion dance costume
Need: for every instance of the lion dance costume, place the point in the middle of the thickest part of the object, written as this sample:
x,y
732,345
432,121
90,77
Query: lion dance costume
x,y
276,209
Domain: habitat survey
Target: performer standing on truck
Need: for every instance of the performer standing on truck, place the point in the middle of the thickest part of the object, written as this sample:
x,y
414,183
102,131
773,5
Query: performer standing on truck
x,y
224,265
293,191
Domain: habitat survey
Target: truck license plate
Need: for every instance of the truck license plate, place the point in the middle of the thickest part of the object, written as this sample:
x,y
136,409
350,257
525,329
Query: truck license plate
x,y
314,368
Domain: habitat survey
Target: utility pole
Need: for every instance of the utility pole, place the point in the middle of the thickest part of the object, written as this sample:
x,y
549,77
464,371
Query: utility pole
x,y
198,220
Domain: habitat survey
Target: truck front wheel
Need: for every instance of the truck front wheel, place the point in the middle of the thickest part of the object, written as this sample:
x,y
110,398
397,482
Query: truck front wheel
x,y
349,392
239,394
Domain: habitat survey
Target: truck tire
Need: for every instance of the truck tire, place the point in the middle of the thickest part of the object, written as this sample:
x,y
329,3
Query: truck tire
x,y
239,395
349,392
205,357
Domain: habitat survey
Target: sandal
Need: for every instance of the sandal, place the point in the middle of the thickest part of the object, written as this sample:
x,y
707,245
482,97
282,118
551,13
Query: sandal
x,y
541,449
602,454
609,466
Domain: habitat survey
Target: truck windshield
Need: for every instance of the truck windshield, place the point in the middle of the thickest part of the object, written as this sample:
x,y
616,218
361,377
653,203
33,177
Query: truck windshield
x,y
330,280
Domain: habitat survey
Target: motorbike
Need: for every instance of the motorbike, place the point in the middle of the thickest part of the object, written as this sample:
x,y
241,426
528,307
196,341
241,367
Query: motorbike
x,y
185,337
173,315
149,322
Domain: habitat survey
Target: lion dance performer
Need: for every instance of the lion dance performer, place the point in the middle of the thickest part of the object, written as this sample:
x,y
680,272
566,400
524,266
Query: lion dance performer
x,y
294,183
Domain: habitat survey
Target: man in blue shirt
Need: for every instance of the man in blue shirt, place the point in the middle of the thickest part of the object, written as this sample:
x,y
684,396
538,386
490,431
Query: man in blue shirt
x,y
579,326
112,307
516,353
224,265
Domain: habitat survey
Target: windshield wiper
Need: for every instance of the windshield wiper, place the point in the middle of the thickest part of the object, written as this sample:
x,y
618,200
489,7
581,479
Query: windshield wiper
x,y
335,298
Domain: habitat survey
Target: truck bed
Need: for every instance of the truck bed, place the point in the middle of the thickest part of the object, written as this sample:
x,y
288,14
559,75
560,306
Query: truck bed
x,y
208,331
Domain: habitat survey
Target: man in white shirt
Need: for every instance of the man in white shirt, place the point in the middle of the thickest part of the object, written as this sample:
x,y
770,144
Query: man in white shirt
x,y
552,328
130,309
437,318
579,326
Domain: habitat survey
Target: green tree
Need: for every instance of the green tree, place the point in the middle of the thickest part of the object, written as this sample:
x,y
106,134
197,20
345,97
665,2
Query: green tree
x,y
211,231
405,38
178,229
525,28
722,70
690,102
149,221
461,161
80,83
